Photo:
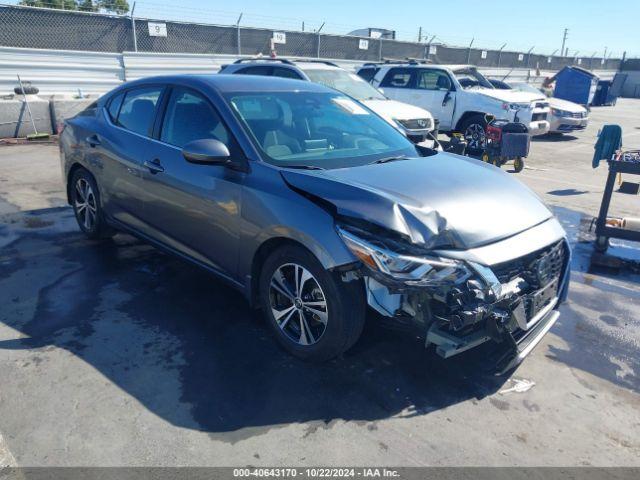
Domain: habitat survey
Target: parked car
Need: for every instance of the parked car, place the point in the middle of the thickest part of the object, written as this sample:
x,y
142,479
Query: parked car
x,y
565,116
314,207
459,97
416,123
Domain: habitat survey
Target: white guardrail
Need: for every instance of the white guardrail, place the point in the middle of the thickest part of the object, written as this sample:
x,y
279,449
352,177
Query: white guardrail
x,y
68,72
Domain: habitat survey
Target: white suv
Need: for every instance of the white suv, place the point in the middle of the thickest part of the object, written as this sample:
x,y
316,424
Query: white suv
x,y
416,123
459,97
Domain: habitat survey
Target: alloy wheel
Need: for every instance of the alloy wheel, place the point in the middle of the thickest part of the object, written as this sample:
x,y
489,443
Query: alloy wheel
x,y
85,204
475,136
298,304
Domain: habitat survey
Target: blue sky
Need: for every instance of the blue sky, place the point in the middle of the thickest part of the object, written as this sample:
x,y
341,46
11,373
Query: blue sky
x,y
593,24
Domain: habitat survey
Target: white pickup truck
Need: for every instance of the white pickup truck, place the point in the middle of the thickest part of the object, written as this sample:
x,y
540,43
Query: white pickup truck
x,y
459,97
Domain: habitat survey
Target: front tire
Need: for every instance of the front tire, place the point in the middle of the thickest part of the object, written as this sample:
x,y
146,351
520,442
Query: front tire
x,y
85,199
474,132
312,313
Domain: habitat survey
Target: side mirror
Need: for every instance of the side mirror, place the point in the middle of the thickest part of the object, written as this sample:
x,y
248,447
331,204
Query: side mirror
x,y
206,151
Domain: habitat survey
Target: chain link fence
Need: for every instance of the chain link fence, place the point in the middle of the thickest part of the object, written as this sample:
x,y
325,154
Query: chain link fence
x,y
30,27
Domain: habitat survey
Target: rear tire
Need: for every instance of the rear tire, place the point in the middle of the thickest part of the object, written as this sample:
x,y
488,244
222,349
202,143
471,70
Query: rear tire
x,y
316,317
85,199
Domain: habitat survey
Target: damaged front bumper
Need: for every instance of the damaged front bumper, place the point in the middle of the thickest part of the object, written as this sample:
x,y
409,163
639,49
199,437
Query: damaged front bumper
x,y
511,300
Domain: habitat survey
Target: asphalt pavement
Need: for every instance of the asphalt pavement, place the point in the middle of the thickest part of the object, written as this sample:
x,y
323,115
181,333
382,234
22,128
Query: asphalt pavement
x,y
113,353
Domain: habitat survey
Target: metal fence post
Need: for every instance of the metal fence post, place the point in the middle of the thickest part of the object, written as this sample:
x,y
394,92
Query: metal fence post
x,y
238,34
500,53
380,49
318,52
133,29
469,52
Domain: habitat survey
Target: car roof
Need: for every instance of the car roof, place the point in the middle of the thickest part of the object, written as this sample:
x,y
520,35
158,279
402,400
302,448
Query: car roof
x,y
419,65
235,83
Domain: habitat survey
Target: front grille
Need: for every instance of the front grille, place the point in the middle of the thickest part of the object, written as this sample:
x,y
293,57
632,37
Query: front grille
x,y
539,116
577,114
416,124
538,269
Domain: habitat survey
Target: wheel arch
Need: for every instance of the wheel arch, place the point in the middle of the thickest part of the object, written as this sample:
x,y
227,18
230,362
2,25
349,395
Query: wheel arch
x,y
329,258
260,256
72,170
465,116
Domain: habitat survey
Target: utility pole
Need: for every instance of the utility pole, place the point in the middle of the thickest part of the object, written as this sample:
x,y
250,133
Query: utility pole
x,y
564,40
419,34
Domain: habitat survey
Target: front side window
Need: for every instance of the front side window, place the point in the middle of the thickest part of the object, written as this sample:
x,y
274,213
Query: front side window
x,y
138,109
190,117
398,78
317,129
345,82
433,80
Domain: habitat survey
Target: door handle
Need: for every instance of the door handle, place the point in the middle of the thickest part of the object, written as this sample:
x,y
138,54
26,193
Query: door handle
x,y
93,141
154,166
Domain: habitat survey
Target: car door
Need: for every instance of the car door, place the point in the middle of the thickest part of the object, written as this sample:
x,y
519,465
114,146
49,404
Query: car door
x,y
433,91
120,149
193,208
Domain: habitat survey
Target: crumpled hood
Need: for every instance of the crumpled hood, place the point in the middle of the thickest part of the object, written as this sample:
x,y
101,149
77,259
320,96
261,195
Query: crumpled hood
x,y
391,109
511,96
442,200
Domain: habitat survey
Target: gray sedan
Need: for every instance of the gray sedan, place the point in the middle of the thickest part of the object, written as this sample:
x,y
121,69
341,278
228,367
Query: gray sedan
x,y
316,208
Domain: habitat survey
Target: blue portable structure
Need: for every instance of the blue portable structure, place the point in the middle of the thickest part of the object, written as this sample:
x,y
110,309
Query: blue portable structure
x,y
608,91
575,84
602,92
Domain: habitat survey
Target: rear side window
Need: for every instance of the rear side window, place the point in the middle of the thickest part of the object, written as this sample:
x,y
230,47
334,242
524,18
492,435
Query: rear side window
x,y
138,109
398,78
114,106
285,73
368,73
255,71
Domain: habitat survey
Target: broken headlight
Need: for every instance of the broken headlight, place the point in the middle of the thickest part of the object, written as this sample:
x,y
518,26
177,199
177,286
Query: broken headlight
x,y
415,270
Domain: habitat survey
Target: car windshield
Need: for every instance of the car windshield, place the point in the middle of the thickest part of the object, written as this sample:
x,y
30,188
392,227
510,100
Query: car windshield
x,y
316,129
525,87
345,82
471,78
